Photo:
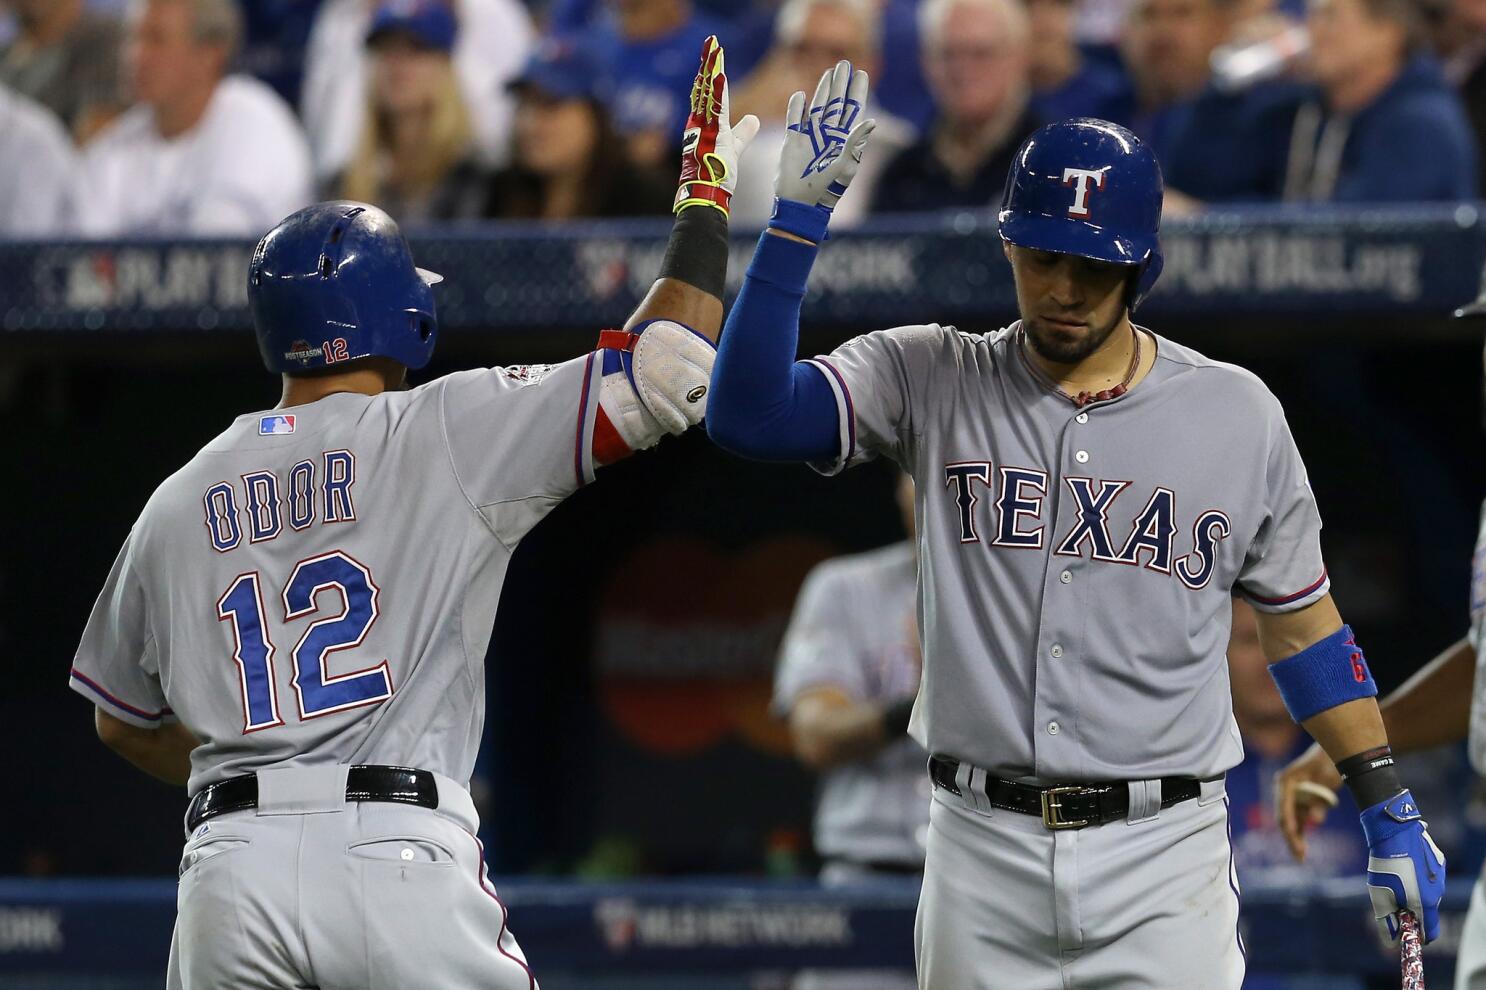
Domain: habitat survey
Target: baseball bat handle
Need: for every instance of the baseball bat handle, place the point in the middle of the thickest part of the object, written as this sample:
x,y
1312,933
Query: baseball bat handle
x,y
1411,951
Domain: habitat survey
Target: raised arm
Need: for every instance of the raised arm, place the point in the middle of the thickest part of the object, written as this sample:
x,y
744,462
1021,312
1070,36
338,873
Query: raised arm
x,y
693,273
764,404
656,371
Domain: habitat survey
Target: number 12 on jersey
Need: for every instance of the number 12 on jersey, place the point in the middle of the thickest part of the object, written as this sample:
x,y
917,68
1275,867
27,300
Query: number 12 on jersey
x,y
317,691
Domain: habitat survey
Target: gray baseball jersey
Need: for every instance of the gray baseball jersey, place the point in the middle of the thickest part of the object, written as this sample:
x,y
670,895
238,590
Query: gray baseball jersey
x,y
318,585
1076,564
853,629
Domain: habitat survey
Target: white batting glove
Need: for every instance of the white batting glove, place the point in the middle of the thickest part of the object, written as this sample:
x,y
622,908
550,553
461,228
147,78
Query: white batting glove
x,y
823,147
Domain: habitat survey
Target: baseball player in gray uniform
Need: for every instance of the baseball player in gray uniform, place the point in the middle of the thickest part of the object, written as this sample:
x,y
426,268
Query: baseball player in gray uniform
x,y
1090,494
1442,704
296,626
848,674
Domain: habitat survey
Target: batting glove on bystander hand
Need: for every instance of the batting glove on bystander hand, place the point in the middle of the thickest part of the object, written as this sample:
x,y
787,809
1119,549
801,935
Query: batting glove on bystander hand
x,y
711,145
1405,869
822,152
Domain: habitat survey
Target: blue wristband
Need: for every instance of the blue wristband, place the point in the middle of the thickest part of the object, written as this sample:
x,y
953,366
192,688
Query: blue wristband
x,y
1323,675
809,222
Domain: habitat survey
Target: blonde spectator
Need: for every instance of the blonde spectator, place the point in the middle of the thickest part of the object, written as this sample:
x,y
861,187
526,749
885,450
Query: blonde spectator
x,y
495,37
810,36
201,152
567,162
415,156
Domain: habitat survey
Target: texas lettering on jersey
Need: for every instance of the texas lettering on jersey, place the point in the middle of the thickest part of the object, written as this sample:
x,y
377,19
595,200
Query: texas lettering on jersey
x,y
1018,495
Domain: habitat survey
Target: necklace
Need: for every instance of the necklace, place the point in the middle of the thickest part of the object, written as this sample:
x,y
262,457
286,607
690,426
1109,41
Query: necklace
x,y
1085,397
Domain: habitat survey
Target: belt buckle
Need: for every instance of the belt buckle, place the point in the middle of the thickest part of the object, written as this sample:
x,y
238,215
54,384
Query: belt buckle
x,y
1052,809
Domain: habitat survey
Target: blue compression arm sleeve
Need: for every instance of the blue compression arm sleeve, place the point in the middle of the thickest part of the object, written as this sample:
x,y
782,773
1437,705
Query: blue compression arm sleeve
x,y
765,404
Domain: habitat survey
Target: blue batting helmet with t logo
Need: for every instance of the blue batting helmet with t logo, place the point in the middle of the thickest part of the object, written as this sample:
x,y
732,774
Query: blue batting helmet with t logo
x,y
336,282
1090,188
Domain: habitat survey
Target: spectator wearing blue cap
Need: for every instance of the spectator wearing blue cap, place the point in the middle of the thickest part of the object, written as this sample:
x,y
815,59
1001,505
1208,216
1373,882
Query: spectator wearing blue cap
x,y
567,162
1378,123
493,41
415,158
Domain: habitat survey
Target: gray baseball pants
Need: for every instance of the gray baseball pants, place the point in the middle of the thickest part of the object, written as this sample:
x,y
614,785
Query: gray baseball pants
x,y
1150,902
310,891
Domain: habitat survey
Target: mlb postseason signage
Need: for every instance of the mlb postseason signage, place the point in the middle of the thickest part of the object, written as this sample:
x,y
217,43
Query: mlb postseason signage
x,y
521,276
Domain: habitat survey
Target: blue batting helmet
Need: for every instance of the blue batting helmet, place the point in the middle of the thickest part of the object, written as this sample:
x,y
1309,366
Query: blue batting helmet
x,y
336,282
1090,188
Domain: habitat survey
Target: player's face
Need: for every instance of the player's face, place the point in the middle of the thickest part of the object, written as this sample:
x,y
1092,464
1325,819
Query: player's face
x,y
1069,305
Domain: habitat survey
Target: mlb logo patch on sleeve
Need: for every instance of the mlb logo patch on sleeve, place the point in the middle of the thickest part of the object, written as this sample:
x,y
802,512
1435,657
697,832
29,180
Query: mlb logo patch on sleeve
x,y
275,425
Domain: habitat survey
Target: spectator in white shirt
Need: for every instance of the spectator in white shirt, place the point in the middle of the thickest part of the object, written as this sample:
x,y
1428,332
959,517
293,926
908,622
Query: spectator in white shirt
x,y
37,163
200,153
495,38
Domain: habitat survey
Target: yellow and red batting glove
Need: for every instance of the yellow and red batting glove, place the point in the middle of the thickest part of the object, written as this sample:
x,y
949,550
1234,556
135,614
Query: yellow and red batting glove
x,y
711,145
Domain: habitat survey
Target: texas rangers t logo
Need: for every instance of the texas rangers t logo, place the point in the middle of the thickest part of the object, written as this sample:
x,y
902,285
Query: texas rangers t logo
x,y
1079,178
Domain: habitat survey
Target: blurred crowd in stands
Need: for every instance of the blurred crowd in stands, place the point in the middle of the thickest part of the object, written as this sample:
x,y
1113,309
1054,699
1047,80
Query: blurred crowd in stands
x,y
218,117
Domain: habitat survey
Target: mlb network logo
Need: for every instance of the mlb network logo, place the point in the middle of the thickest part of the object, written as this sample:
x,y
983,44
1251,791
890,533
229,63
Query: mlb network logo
x,y
275,425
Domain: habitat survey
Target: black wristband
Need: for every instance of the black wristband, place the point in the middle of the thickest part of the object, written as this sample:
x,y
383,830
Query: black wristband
x,y
895,718
698,251
1370,776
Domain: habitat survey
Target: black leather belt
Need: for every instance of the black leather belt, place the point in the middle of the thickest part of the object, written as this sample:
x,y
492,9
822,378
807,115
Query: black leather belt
x,y
1064,806
397,785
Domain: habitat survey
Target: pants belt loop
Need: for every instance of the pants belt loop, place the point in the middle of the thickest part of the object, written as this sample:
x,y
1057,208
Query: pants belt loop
x,y
971,781
302,790
1145,801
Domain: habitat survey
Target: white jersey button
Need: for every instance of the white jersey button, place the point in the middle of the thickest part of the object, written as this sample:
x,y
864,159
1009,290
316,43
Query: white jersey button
x,y
1066,577
1081,418
1056,651
1052,728
1082,457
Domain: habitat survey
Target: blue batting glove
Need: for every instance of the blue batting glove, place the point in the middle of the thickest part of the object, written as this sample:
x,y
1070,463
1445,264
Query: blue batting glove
x,y
1405,869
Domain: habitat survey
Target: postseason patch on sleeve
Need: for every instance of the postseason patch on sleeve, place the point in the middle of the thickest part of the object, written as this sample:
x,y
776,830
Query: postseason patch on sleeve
x,y
275,425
